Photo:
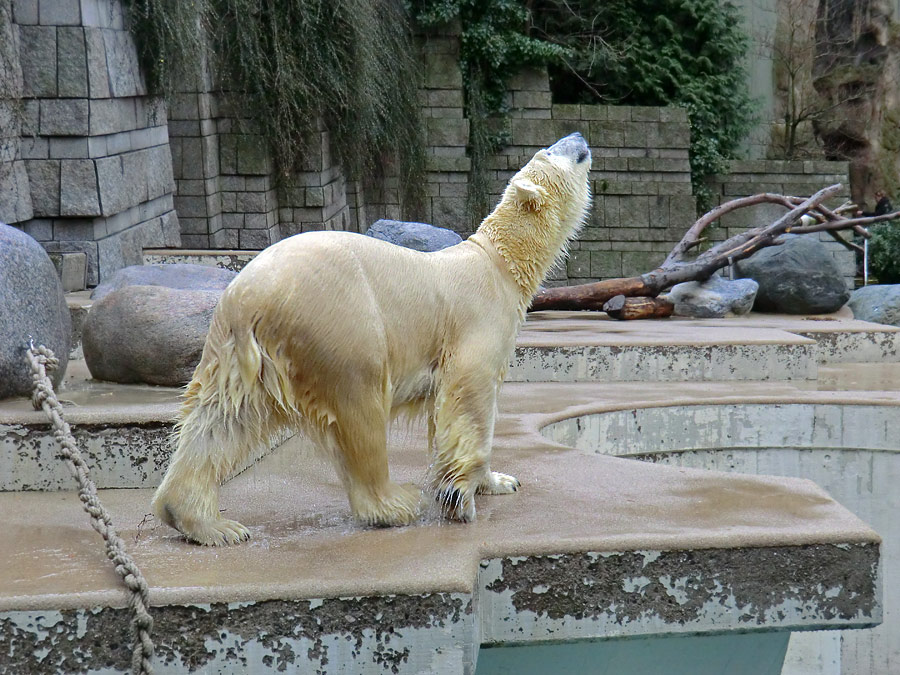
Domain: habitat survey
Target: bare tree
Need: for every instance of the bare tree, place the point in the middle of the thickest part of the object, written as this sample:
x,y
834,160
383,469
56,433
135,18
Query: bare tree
x,y
793,48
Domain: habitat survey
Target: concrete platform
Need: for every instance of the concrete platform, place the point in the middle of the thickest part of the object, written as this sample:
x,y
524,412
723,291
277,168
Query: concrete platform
x,y
590,347
593,547
727,552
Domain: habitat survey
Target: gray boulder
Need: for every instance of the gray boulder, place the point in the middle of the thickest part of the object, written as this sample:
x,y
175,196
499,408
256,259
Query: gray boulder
x,y
418,236
182,275
148,334
714,298
31,304
798,277
878,303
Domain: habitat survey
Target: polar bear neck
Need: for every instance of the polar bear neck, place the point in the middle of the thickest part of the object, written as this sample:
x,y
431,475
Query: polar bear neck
x,y
528,243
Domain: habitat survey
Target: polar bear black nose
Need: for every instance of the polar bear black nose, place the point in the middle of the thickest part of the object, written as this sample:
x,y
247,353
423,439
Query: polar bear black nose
x,y
573,146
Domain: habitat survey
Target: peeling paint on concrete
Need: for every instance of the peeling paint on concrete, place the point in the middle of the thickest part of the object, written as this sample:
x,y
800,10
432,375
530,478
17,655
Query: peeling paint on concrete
x,y
396,634
679,591
876,346
124,455
663,363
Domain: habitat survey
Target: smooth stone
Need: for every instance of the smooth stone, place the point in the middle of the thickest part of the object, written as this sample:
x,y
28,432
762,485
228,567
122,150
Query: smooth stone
x,y
418,236
32,306
877,303
149,334
185,276
714,298
796,277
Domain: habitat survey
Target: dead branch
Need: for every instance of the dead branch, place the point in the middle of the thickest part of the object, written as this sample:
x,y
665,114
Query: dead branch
x,y
809,212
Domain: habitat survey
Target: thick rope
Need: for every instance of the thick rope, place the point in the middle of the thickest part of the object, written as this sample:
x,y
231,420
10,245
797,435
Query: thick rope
x,y
42,360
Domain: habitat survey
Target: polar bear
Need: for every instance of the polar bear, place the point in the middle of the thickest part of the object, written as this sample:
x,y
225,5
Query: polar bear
x,y
334,334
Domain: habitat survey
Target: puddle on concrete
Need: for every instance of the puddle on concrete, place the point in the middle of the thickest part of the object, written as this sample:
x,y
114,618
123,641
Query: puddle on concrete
x,y
80,389
859,377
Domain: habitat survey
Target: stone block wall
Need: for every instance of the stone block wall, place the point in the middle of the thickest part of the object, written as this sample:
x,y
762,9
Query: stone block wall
x,y
640,177
87,158
15,194
94,145
793,178
447,134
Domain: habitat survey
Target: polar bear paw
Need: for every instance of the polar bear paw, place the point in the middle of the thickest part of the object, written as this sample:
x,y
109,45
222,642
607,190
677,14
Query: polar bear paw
x,y
220,532
457,504
396,505
499,484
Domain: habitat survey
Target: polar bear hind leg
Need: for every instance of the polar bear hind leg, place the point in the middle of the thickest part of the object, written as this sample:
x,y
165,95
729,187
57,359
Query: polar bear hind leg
x,y
209,449
357,440
225,421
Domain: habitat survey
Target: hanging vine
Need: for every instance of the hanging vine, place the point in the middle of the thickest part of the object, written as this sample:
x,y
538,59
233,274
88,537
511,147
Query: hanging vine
x,y
289,65
494,46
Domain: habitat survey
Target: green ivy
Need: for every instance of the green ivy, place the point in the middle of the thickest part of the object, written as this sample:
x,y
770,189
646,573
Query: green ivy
x,y
290,64
884,252
494,46
685,53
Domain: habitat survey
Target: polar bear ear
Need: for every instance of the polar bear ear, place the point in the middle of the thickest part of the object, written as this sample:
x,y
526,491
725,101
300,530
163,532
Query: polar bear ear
x,y
528,194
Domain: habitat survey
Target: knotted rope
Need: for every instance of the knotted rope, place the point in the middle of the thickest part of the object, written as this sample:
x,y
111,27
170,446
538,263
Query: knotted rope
x,y
42,360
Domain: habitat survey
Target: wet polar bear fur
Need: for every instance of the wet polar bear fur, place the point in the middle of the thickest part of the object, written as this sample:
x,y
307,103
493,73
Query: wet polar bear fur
x,y
334,334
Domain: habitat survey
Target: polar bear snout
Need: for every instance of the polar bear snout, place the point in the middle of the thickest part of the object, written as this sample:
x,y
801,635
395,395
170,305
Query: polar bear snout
x,y
572,146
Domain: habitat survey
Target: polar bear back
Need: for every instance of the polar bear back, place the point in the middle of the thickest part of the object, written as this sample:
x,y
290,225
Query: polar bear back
x,y
349,300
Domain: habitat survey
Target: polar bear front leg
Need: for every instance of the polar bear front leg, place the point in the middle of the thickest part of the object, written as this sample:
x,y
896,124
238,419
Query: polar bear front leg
x,y
463,433
359,440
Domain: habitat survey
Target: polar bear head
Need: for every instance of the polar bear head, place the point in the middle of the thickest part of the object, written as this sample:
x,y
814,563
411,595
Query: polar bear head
x,y
542,209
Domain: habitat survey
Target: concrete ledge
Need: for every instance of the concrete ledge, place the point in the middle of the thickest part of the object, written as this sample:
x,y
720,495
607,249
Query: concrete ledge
x,y
590,347
430,633
122,430
714,426
839,337
794,360
229,260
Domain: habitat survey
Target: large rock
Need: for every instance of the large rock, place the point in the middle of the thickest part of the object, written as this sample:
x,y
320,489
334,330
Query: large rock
x,y
32,305
878,303
418,236
147,334
714,298
182,275
798,277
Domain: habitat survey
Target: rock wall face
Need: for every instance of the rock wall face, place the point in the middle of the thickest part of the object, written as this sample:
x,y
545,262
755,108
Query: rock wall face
x,y
88,148
856,73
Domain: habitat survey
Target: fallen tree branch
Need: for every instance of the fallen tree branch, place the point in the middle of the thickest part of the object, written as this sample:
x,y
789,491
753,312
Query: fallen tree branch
x,y
809,212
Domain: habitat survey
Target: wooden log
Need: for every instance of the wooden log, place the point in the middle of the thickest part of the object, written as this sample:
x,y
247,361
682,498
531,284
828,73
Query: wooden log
x,y
589,296
626,309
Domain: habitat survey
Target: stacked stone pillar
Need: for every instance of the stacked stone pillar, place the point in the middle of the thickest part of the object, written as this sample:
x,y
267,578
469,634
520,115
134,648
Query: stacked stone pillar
x,y
94,144
229,195
15,195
